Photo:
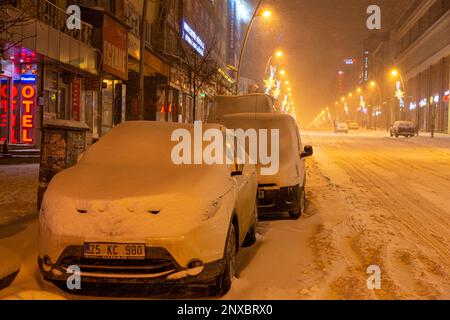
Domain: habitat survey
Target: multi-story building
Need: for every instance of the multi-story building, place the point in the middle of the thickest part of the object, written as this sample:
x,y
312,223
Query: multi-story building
x,y
422,54
419,48
47,71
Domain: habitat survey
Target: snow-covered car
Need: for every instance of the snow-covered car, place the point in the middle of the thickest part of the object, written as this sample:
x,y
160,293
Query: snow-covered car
x,y
250,103
285,190
126,213
403,128
341,127
353,125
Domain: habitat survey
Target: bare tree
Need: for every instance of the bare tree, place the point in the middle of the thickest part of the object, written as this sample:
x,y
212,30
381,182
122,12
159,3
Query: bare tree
x,y
201,67
13,16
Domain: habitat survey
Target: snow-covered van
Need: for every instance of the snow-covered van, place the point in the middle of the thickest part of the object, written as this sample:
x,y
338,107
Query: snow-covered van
x,y
250,103
285,190
129,213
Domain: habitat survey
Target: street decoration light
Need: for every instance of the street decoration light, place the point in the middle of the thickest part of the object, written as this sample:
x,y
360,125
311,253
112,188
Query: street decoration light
x,y
270,83
277,91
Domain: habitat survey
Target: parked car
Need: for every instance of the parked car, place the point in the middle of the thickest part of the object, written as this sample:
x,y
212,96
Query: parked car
x,y
250,103
127,214
403,128
284,191
341,127
353,125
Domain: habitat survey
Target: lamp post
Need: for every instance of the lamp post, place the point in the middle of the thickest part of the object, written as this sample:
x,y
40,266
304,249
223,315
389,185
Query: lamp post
x,y
396,74
256,13
374,84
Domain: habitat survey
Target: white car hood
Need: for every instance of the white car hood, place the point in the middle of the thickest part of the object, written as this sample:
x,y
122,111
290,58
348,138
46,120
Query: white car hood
x,y
109,203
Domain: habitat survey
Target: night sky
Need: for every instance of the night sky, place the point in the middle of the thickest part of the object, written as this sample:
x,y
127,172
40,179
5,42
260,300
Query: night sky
x,y
317,35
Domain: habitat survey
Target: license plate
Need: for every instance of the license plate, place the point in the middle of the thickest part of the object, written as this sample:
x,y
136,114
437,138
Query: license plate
x,y
119,251
261,194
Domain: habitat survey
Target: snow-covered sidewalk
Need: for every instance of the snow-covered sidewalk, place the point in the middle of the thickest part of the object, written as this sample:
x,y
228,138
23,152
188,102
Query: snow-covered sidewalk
x,y
18,187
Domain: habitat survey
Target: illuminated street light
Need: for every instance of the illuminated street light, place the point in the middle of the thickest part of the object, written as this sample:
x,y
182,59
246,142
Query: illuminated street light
x,y
394,73
266,14
282,72
287,82
279,54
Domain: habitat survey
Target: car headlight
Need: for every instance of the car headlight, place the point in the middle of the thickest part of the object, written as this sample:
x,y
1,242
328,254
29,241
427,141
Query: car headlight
x,y
212,208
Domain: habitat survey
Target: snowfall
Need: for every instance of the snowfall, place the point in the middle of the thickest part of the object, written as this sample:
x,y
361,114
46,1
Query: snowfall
x,y
372,201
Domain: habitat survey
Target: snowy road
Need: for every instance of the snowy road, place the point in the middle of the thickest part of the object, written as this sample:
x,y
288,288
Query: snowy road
x,y
373,200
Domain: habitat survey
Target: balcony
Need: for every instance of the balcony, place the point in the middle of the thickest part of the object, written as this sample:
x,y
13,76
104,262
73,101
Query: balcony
x,y
51,15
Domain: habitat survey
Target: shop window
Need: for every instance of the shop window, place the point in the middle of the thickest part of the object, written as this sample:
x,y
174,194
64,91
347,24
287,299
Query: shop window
x,y
107,105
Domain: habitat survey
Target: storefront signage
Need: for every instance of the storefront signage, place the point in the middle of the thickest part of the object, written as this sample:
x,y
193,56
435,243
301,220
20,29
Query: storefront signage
x,y
76,98
115,48
21,121
193,39
366,66
29,78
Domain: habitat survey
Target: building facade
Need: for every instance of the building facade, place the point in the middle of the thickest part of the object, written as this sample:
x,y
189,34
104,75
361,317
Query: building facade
x,y
419,48
47,71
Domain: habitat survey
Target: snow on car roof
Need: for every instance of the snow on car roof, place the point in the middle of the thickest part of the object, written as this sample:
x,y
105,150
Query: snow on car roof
x,y
289,139
223,105
134,159
138,143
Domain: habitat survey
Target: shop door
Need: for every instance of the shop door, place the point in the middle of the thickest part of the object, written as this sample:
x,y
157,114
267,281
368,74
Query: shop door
x,y
5,107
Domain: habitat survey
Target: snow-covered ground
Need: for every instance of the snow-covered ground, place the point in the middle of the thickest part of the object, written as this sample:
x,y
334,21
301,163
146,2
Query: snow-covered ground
x,y
373,200
18,187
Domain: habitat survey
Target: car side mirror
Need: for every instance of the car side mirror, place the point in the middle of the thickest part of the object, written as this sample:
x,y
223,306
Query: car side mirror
x,y
238,170
236,173
308,152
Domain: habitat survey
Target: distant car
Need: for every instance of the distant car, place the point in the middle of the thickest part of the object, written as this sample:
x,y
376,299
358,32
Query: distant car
x,y
403,128
249,103
353,125
285,190
127,214
341,127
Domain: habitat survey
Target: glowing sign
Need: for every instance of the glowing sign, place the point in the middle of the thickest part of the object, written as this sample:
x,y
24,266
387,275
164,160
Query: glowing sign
x,y
28,78
193,39
349,61
21,117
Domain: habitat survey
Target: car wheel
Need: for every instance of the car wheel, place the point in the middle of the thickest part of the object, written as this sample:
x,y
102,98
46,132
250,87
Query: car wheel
x,y
396,135
224,281
250,238
296,214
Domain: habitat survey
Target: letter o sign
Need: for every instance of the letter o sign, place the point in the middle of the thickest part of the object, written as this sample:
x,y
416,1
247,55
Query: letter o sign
x,y
28,92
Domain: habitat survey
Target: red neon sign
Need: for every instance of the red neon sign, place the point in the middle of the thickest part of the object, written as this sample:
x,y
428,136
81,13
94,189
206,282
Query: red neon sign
x,y
21,118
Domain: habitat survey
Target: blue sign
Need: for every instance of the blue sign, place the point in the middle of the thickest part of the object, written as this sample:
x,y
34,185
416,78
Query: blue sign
x,y
28,78
193,39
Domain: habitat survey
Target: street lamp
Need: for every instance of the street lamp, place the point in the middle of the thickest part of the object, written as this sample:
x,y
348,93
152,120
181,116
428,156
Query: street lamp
x,y
282,72
256,13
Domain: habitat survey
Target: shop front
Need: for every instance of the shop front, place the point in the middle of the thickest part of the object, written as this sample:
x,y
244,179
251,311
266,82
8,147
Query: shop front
x,y
18,97
110,37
